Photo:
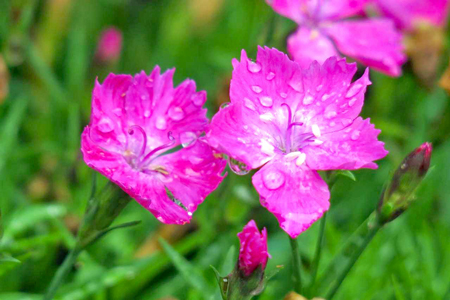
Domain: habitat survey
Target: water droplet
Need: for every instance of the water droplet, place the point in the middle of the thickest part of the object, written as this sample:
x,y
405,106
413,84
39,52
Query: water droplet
x,y
319,87
308,99
224,105
147,113
352,102
105,125
273,179
346,122
332,124
296,85
330,114
176,113
254,67
257,89
283,95
189,214
355,135
161,123
199,99
238,167
249,104
144,97
187,138
117,111
270,76
353,90
266,101
325,97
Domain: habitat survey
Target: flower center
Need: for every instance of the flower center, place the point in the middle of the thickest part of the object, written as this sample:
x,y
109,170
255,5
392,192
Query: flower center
x,y
136,153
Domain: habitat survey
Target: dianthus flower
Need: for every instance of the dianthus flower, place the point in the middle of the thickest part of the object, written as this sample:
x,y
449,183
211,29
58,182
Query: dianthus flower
x,y
137,125
292,122
253,252
408,14
373,42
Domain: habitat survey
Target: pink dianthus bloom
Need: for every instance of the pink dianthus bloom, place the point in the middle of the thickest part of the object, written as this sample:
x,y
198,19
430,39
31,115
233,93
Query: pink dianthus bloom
x,y
407,14
109,45
374,42
136,124
253,252
292,122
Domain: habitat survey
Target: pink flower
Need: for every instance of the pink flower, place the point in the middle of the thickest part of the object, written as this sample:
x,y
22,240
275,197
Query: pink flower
x,y
253,252
136,124
109,45
407,14
292,122
373,42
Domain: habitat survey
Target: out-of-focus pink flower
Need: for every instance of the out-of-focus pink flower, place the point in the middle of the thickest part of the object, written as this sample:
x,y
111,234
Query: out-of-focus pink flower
x,y
253,252
408,14
292,122
374,42
109,46
136,124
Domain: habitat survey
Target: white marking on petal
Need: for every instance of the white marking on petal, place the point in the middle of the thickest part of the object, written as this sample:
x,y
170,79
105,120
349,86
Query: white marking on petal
x,y
267,148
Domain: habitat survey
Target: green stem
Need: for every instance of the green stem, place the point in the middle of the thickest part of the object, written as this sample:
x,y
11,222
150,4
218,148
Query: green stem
x,y
318,253
62,272
297,266
337,283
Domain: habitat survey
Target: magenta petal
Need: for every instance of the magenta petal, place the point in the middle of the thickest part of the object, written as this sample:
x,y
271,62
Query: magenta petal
x,y
338,9
296,10
296,195
253,251
307,45
193,173
351,148
408,13
375,43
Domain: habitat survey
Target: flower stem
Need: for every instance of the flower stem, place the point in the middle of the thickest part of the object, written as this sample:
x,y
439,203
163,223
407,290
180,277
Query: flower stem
x,y
62,272
341,277
318,253
297,266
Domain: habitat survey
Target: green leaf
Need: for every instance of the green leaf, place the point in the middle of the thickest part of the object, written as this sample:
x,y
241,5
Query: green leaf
x,y
347,174
229,262
187,270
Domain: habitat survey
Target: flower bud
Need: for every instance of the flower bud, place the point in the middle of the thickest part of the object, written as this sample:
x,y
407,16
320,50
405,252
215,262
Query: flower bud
x,y
253,252
398,195
109,46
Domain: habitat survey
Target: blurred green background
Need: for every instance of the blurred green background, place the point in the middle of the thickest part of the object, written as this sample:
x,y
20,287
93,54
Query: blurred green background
x,y
48,49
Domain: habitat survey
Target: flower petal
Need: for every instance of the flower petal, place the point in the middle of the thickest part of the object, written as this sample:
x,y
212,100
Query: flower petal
x,y
193,173
307,45
375,43
408,13
296,195
338,9
351,148
296,10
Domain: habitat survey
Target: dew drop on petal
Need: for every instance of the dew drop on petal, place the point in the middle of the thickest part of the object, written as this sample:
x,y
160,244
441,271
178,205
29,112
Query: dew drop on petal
x,y
105,125
325,97
296,85
257,89
224,105
319,87
198,99
238,167
352,102
147,113
308,99
270,76
353,90
283,95
118,111
355,135
176,113
330,114
273,179
254,67
161,123
266,101
187,138
249,104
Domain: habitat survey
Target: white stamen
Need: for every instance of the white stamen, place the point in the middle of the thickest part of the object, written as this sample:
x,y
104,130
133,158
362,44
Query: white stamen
x,y
301,159
316,130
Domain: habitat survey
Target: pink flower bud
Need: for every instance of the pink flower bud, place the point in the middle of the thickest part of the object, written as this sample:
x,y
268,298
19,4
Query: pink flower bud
x,y
253,252
109,45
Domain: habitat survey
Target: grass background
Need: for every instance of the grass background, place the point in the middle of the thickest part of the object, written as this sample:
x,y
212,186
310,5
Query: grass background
x,y
49,48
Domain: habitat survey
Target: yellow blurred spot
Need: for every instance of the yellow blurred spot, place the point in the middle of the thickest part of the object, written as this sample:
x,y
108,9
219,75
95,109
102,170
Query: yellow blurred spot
x,y
4,80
